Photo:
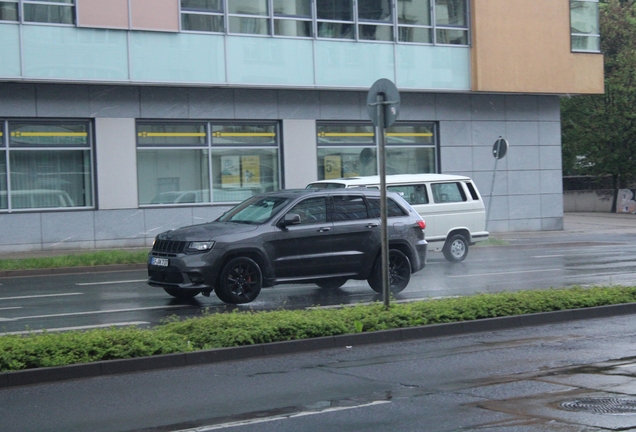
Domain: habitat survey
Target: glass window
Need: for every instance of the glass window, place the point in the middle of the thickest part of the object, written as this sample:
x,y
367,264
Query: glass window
x,y
9,11
451,21
413,194
293,18
3,169
349,207
49,11
447,192
49,165
312,210
392,208
202,15
350,151
181,163
245,16
335,19
584,22
379,12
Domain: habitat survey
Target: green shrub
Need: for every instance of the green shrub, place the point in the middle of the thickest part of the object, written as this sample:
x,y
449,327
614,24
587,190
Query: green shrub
x,y
247,328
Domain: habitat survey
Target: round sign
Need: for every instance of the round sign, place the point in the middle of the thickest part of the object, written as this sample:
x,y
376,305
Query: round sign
x,y
500,148
390,101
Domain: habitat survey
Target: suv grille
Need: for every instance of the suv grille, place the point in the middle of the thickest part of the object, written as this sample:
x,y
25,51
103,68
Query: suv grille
x,y
169,246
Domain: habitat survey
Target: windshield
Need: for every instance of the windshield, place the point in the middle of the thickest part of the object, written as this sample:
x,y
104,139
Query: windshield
x,y
255,210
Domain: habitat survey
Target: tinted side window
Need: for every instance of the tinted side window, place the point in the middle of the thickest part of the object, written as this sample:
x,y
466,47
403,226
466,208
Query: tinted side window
x,y
349,207
472,190
392,208
311,210
447,192
413,194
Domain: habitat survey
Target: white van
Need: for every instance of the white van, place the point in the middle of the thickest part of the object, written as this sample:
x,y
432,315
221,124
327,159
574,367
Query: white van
x,y
450,204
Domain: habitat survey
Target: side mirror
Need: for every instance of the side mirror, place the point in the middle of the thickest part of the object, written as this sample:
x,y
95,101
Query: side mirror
x,y
290,219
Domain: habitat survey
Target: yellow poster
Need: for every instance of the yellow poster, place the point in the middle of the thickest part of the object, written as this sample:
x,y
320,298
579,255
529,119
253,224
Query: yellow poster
x,y
333,167
251,170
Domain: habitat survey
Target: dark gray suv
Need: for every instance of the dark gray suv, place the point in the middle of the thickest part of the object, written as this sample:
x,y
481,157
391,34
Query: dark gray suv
x,y
291,236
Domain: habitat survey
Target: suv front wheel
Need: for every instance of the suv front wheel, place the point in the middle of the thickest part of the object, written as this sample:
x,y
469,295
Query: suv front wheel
x,y
399,272
240,281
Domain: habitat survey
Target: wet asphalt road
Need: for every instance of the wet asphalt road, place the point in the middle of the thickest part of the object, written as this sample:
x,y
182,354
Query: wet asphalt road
x,y
530,261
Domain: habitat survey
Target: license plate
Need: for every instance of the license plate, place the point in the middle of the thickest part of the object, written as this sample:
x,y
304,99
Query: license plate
x,y
162,262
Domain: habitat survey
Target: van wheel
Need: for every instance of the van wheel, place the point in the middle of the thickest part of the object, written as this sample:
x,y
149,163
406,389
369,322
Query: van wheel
x,y
182,293
240,281
456,248
399,272
331,283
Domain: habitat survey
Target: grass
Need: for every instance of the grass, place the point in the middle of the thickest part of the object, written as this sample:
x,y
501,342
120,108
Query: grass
x,y
83,259
36,350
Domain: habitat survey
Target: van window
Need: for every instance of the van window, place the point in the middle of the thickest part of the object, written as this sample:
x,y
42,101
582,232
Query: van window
x,y
413,194
349,207
447,192
472,190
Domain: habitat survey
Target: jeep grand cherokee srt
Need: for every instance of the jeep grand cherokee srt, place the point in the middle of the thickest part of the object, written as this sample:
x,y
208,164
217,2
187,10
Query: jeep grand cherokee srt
x,y
291,236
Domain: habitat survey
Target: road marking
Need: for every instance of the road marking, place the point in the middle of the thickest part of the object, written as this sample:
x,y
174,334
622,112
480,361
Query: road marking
x,y
548,256
504,273
92,312
40,296
14,307
109,283
122,324
278,417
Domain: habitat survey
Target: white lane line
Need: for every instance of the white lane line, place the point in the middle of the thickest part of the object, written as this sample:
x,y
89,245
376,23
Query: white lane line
x,y
548,256
110,282
279,417
40,296
91,312
50,330
14,307
504,273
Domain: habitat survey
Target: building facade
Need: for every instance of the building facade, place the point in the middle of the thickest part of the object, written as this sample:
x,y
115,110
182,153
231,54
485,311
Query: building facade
x,y
120,119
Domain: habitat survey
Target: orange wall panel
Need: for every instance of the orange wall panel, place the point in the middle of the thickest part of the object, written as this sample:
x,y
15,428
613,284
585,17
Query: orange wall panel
x,y
523,46
159,15
102,14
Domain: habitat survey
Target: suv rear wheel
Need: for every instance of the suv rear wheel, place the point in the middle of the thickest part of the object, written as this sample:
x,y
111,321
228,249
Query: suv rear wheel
x,y
399,272
240,281
456,248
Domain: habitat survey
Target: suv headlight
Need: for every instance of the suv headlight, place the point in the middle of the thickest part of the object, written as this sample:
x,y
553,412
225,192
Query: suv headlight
x,y
200,246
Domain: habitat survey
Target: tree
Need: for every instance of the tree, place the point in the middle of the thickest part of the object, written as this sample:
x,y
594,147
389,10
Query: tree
x,y
599,131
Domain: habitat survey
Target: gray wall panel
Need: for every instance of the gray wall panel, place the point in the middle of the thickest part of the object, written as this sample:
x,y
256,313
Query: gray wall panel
x,y
341,105
20,228
114,102
62,100
298,104
453,107
552,206
488,107
456,133
164,102
119,225
256,104
211,104
550,133
417,106
60,228
519,133
522,157
17,100
550,158
549,108
522,108
524,182
551,182
524,207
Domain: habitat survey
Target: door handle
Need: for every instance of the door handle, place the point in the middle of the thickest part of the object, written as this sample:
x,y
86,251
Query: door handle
x,y
372,225
324,229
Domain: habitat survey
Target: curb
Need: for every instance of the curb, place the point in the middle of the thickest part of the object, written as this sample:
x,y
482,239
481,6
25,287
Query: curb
x,y
168,361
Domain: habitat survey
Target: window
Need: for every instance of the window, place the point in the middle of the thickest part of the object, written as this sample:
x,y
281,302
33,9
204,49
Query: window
x,y
248,16
49,11
184,163
375,19
9,11
349,207
414,21
202,15
392,209
447,192
46,165
312,210
584,23
404,21
293,18
348,150
414,194
451,21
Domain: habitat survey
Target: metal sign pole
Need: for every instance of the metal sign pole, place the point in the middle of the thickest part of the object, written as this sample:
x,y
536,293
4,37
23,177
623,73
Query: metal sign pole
x,y
380,139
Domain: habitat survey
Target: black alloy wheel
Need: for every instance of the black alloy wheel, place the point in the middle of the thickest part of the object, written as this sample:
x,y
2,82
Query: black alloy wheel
x,y
240,281
399,272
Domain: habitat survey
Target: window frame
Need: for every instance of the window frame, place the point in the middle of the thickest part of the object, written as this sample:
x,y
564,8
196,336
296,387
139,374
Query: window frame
x,y
596,35
60,4
211,151
89,194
